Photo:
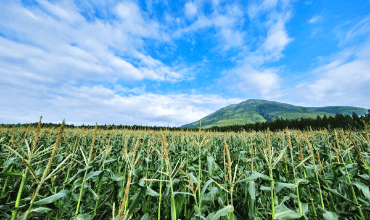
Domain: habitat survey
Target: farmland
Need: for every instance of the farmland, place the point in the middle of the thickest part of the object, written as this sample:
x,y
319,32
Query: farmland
x,y
123,174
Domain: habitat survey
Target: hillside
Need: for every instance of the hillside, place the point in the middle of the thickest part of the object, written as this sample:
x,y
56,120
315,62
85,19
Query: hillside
x,y
254,110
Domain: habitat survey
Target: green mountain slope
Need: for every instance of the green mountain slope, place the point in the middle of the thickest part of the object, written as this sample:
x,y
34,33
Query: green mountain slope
x,y
254,110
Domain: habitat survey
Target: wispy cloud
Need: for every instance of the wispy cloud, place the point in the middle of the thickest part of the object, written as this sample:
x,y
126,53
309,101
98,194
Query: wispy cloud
x,y
57,39
277,37
345,78
254,9
315,19
362,28
226,21
251,73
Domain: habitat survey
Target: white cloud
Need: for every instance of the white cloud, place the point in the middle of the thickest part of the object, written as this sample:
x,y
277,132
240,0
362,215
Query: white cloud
x,y
277,38
201,22
227,22
266,82
359,29
232,38
133,22
191,9
345,84
248,78
315,19
251,74
215,3
57,44
65,11
255,9
90,104
129,11
344,80
272,16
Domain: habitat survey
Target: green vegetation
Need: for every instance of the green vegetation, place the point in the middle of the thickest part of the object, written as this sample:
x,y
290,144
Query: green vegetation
x,y
63,173
253,111
347,122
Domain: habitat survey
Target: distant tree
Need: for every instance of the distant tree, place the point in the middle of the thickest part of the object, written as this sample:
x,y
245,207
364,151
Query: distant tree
x,y
324,121
357,121
367,117
331,121
348,122
318,121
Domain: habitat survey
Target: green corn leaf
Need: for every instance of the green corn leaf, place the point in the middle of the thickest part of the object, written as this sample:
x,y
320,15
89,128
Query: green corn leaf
x,y
183,193
222,212
335,192
41,209
145,217
304,208
179,204
280,186
110,160
286,198
252,194
193,178
265,188
364,176
151,192
13,174
9,162
252,189
328,215
74,177
205,187
211,164
136,199
113,176
284,213
363,188
52,198
40,171
92,174
91,191
173,208
255,175
83,217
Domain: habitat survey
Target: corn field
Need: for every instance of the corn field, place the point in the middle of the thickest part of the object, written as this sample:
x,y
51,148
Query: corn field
x,y
124,174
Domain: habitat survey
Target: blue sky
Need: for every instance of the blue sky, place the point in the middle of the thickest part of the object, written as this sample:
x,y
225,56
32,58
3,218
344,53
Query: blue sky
x,y
173,62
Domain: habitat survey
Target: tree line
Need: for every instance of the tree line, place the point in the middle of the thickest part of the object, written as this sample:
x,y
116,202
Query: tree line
x,y
353,122
101,127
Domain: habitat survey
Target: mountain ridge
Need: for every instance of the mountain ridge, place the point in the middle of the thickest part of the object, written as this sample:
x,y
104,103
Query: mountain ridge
x,y
255,110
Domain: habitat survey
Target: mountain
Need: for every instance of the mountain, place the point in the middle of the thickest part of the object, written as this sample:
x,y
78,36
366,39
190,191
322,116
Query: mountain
x,y
254,110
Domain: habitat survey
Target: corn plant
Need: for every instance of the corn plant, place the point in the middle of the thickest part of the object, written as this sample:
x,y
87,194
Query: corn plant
x,y
48,173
